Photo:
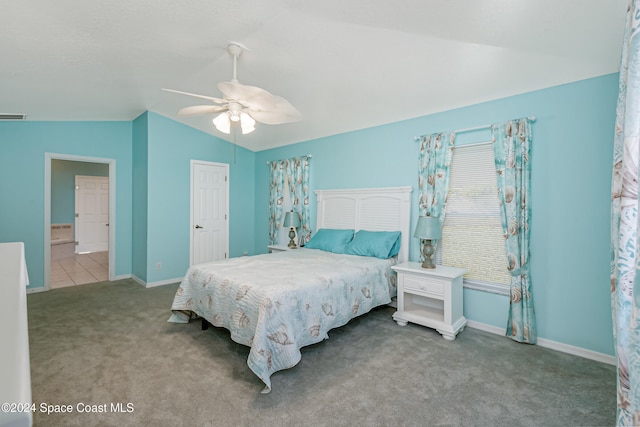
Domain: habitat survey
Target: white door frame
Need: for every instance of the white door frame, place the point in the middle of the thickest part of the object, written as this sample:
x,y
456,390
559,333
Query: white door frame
x,y
48,158
191,224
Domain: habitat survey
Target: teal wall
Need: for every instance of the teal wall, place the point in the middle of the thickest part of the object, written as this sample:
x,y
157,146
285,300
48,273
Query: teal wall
x,y
22,161
571,180
139,193
153,158
63,184
171,147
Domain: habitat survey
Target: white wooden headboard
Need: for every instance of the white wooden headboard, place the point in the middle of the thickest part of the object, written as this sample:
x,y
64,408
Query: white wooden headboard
x,y
374,209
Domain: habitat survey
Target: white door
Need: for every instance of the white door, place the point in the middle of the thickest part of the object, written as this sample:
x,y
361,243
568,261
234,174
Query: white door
x,y
92,213
209,211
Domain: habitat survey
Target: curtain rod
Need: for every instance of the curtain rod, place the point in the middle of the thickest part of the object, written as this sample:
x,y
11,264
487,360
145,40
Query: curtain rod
x,y
532,118
269,162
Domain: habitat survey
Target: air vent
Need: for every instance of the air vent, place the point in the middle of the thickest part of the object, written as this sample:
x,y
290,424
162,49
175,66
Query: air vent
x,y
5,116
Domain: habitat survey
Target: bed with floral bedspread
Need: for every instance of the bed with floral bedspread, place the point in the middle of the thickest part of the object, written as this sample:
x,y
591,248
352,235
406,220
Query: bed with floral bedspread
x,y
278,303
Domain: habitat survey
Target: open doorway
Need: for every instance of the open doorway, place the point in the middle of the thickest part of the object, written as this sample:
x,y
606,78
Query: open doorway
x,y
79,220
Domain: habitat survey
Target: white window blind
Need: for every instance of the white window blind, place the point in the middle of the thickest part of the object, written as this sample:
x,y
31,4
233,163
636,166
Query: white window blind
x,y
283,234
472,235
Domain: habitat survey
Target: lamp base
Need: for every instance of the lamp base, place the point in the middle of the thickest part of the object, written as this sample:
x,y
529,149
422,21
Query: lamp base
x,y
427,251
292,243
428,264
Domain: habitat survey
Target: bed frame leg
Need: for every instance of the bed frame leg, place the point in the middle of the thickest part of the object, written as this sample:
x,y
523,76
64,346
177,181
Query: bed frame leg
x,y
205,324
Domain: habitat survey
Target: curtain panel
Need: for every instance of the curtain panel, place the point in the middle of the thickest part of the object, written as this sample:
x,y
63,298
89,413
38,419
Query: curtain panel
x,y
512,144
296,172
434,163
625,291
299,174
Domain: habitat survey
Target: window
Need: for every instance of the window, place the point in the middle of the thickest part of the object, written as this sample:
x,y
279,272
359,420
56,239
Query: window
x,y
472,235
283,233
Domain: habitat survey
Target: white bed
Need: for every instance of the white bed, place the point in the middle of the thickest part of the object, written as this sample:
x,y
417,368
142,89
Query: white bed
x,y
279,303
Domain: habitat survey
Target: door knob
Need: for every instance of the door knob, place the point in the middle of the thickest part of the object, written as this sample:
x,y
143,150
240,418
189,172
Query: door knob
x,y
199,226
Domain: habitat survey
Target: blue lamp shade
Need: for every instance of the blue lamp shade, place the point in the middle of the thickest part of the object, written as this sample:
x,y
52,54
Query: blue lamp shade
x,y
291,219
428,228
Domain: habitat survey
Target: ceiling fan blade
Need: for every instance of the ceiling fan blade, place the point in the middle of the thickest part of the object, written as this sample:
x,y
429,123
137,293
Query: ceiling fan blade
x,y
276,111
275,117
210,98
237,91
200,109
251,97
261,105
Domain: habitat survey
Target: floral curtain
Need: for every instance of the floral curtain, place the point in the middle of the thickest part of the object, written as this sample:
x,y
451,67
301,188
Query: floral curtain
x,y
624,226
296,172
434,160
278,169
512,144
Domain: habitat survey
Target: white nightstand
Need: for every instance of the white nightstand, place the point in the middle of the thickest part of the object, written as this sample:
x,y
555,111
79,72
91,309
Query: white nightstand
x,y
278,248
430,297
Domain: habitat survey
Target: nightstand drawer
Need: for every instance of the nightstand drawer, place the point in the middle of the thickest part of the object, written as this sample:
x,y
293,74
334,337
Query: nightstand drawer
x,y
420,284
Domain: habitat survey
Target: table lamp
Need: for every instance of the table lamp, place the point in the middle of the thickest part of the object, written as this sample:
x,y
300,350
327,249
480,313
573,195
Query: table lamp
x,y
292,220
427,230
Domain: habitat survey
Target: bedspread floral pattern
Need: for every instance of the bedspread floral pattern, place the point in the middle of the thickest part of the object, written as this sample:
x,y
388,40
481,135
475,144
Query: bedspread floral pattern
x,y
294,300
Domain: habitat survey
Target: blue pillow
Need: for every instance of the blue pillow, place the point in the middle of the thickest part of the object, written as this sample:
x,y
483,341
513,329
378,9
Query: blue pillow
x,y
330,240
379,244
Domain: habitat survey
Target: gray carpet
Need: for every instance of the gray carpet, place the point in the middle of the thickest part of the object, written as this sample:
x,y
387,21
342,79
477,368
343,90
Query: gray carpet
x,y
110,343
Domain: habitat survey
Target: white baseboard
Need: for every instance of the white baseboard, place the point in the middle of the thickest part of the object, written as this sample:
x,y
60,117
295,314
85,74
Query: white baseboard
x,y
486,327
164,282
138,280
42,288
577,351
553,345
154,284
120,277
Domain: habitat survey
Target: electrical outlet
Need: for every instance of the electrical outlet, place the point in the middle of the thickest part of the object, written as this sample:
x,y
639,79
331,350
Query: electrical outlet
x,y
158,266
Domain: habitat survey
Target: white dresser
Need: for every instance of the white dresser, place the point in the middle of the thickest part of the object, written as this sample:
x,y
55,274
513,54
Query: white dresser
x,y
15,369
430,297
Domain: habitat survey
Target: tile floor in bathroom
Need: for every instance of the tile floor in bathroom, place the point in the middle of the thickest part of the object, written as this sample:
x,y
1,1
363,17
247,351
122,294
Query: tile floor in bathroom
x,y
80,269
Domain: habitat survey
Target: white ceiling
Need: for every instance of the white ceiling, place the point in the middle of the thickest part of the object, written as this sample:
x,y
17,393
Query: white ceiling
x,y
345,65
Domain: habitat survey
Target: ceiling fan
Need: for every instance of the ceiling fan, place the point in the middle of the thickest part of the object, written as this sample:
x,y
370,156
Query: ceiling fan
x,y
242,104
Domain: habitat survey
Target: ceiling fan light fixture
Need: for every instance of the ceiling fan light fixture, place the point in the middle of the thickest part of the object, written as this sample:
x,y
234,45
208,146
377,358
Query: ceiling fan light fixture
x,y
222,122
247,123
226,119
